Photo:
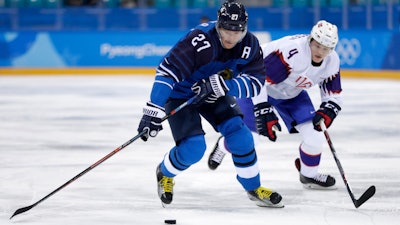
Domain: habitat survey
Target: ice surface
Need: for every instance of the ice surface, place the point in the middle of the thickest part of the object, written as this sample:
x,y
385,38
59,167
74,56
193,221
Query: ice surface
x,y
53,128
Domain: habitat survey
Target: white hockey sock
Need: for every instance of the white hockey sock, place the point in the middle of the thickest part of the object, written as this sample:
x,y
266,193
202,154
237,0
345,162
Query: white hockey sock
x,y
310,148
309,171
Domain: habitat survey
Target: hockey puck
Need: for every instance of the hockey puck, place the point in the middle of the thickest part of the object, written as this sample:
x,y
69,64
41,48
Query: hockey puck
x,y
170,221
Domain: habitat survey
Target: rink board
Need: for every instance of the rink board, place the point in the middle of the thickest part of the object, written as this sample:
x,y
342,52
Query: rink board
x,y
386,74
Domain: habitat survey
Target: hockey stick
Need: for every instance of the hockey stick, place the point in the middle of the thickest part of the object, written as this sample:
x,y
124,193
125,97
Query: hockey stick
x,y
367,194
24,209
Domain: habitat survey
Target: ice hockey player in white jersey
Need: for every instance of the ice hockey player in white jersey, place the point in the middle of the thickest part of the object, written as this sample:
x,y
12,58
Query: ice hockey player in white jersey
x,y
293,65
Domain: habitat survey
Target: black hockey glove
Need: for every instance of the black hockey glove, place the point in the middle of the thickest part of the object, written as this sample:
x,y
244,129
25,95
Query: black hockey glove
x,y
328,112
151,120
266,120
210,89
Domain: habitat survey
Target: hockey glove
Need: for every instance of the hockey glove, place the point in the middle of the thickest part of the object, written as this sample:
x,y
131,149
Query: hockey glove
x,y
210,89
328,112
151,120
266,120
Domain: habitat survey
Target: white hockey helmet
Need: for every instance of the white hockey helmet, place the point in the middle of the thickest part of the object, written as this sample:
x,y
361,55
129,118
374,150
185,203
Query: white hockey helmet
x,y
325,33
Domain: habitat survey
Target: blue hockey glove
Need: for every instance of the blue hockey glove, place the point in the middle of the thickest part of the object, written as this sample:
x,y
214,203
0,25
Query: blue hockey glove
x,y
266,120
328,112
151,120
210,89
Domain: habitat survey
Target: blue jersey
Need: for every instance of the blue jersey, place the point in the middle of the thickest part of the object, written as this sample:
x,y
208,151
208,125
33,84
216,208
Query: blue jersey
x,y
200,54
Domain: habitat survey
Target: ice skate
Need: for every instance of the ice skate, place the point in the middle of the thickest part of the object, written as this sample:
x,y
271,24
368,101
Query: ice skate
x,y
318,182
216,156
165,187
265,197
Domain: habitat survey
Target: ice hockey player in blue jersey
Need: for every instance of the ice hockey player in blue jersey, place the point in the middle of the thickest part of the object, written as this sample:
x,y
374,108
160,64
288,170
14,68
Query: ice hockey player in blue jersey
x,y
293,65
217,61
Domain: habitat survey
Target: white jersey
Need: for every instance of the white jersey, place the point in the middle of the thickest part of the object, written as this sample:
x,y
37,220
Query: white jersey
x,y
289,70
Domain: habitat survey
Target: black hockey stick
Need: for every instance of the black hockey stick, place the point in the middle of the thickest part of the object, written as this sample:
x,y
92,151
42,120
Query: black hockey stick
x,y
367,194
24,209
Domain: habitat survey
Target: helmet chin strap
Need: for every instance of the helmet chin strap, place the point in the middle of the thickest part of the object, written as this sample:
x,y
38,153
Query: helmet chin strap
x,y
243,34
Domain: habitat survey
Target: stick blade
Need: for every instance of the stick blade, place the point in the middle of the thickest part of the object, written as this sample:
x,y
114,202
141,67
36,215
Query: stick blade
x,y
22,210
364,197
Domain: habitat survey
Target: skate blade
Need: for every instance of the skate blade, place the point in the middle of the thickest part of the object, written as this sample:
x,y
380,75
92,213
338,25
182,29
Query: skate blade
x,y
266,203
165,205
269,205
318,187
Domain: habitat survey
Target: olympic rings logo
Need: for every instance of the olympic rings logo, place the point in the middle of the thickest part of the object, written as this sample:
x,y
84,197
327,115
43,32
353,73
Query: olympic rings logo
x,y
348,50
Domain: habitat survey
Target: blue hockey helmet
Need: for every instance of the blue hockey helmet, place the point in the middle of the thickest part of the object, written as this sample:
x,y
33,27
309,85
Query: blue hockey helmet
x,y
232,16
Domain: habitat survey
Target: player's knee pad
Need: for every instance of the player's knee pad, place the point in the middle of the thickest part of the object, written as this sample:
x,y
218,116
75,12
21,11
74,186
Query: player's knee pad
x,y
238,137
230,125
311,137
189,152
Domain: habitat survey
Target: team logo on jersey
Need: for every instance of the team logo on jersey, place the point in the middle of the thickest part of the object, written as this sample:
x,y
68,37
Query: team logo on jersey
x,y
303,82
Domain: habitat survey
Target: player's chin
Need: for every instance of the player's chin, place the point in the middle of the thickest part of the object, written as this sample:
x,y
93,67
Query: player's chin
x,y
228,45
317,59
